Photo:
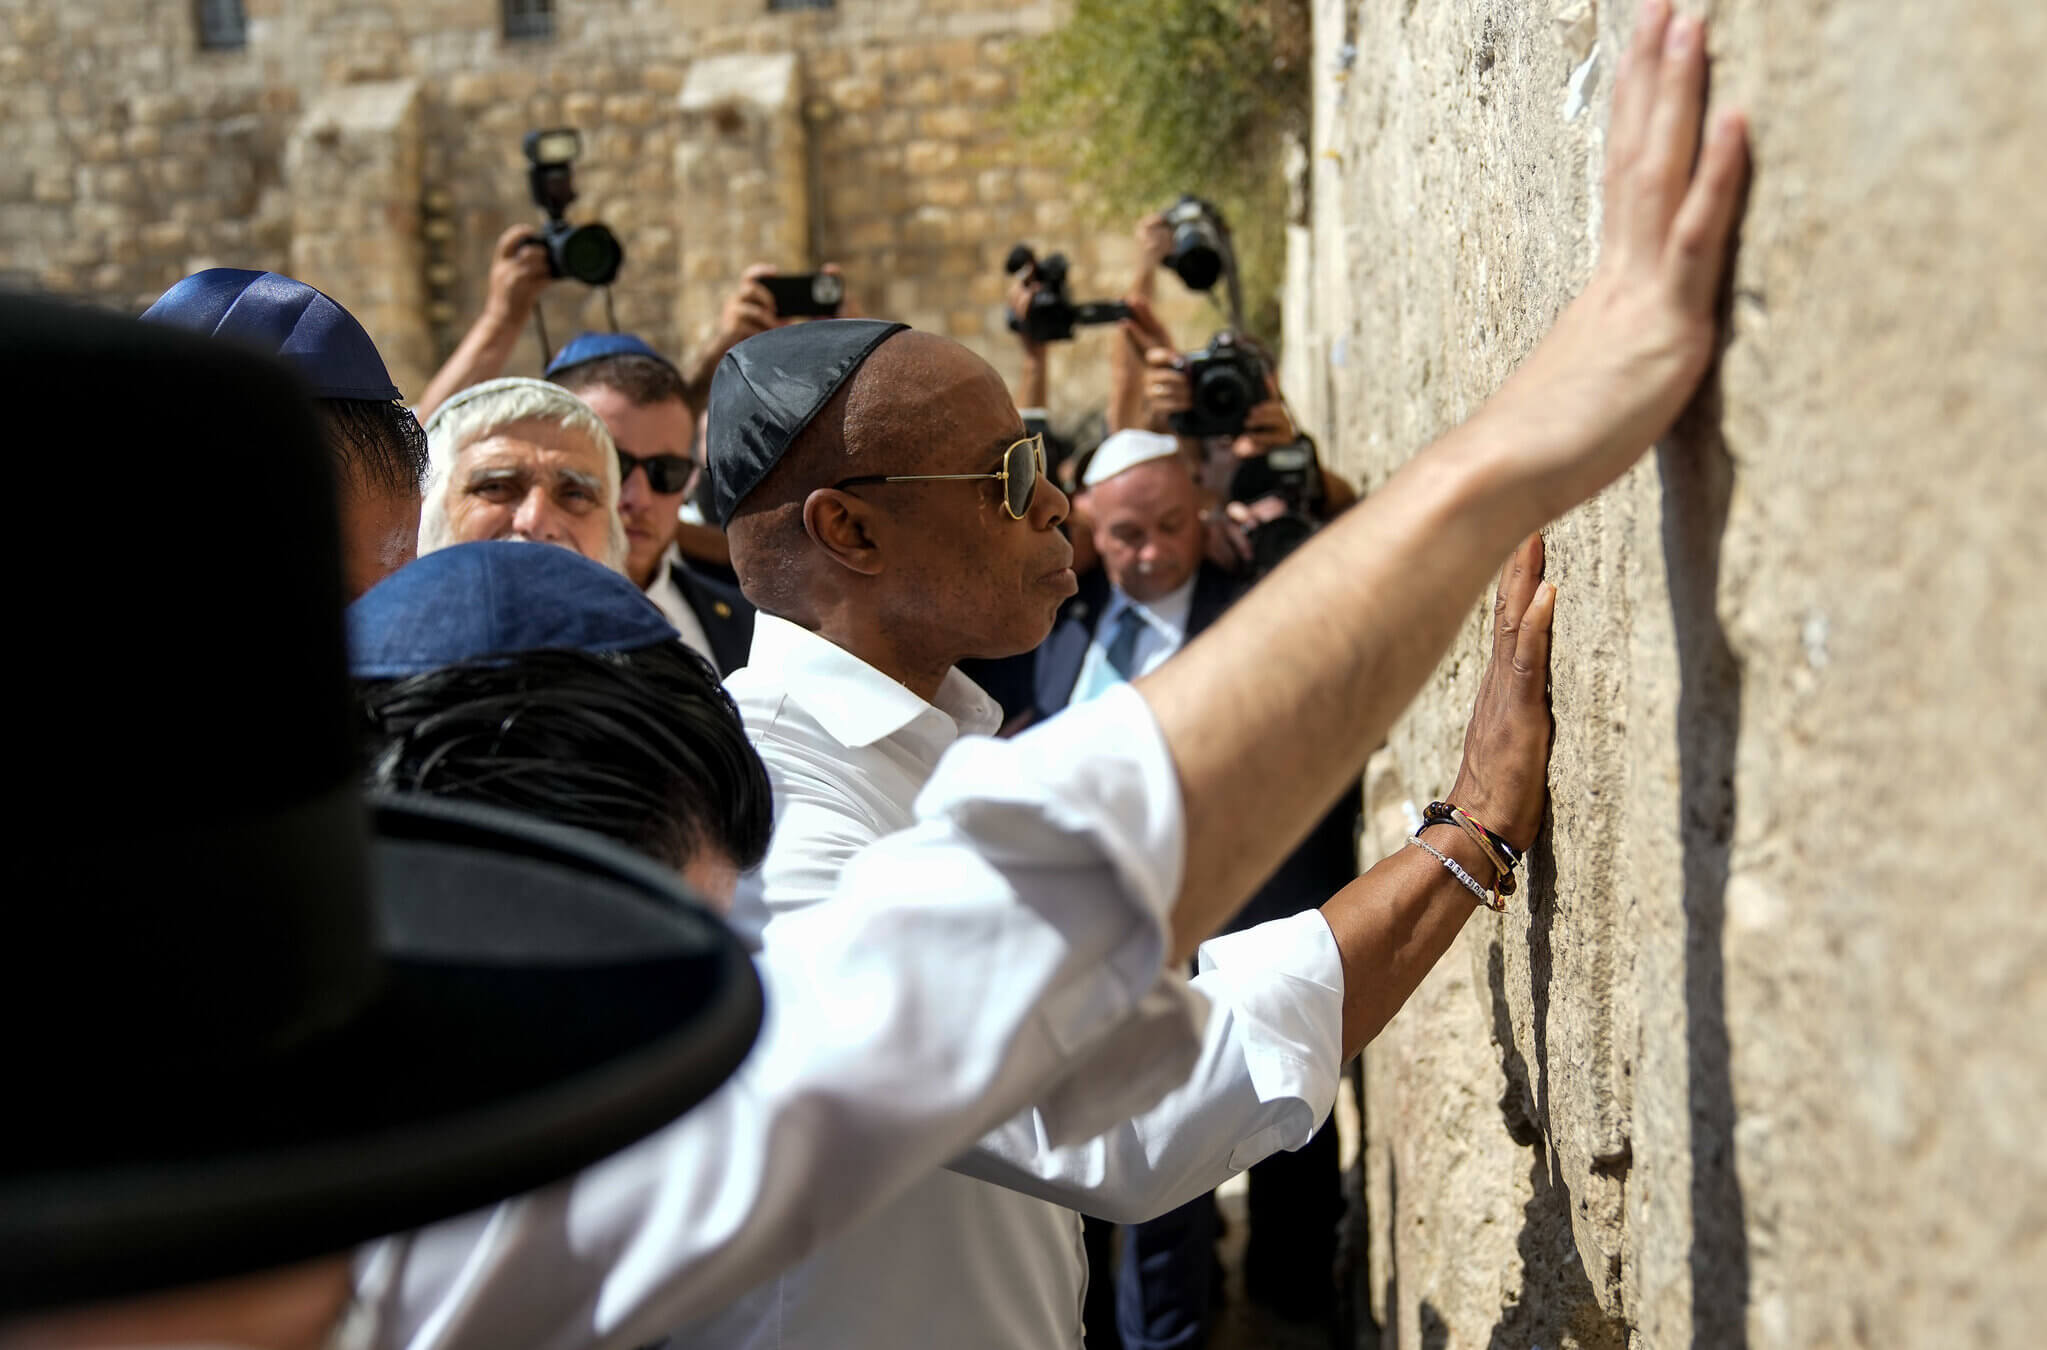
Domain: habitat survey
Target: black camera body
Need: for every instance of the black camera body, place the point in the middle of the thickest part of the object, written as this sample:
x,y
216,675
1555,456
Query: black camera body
x,y
1225,380
1293,474
1052,315
589,253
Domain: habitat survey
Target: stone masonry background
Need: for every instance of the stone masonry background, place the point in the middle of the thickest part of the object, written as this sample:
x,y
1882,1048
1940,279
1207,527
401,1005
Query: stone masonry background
x,y
1764,1066
372,148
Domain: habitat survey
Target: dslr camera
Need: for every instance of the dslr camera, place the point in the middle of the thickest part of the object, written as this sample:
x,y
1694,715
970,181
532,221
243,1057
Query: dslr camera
x,y
1225,380
589,253
1201,243
1293,474
1052,315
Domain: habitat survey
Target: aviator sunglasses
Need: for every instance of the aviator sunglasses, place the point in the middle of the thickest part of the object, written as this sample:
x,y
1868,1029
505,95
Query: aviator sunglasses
x,y
666,474
1019,476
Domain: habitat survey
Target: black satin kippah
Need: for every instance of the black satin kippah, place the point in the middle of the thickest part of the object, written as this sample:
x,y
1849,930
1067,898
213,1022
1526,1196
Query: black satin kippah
x,y
767,390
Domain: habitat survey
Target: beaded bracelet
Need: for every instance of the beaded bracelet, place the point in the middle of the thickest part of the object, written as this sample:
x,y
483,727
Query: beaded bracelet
x,y
1479,835
1446,814
1489,899
1454,818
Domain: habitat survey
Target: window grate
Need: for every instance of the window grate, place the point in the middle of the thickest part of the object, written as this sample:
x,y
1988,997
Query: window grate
x,y
222,25
776,6
529,18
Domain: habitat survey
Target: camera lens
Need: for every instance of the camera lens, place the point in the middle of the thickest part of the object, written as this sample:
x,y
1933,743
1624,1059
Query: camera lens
x,y
1195,258
589,253
1223,394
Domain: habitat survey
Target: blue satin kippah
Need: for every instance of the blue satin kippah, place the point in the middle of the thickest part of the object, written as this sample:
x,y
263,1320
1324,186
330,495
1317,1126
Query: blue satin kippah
x,y
586,347
282,318
491,599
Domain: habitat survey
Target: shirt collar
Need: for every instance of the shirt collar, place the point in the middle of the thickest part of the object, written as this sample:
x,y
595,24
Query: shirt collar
x,y
856,704
1168,613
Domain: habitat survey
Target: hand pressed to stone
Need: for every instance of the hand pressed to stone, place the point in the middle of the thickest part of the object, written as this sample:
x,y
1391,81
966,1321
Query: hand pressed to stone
x,y
1628,353
1505,774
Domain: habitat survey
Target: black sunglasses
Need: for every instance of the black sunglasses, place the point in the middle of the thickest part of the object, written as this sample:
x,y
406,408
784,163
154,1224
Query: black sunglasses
x,y
666,474
1019,476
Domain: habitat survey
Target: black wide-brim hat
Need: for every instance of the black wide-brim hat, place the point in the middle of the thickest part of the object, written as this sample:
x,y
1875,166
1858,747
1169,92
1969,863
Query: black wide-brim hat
x,y
247,1017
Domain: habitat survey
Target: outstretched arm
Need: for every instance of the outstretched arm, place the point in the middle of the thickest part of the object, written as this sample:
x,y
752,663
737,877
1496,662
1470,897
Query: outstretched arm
x,y
518,274
1395,922
1346,631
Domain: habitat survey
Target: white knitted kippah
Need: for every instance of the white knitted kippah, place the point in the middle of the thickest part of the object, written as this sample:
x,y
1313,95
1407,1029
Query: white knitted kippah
x,y
1126,450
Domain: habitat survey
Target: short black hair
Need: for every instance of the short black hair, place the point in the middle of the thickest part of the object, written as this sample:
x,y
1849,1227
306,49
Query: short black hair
x,y
376,445
644,746
645,380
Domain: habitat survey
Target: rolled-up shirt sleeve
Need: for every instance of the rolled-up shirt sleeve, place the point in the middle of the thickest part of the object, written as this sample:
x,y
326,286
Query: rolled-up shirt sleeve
x,y
962,969
1265,1079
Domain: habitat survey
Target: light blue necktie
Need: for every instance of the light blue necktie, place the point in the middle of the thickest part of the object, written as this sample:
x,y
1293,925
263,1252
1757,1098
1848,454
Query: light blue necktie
x,y
1120,660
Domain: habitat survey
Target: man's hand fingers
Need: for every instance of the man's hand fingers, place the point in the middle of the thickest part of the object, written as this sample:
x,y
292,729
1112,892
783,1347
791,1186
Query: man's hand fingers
x,y
1673,138
750,316
1518,582
755,273
1531,647
1699,235
1633,95
511,239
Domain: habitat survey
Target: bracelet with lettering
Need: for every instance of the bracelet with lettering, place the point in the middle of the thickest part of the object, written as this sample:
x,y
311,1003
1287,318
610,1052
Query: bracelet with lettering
x,y
1488,899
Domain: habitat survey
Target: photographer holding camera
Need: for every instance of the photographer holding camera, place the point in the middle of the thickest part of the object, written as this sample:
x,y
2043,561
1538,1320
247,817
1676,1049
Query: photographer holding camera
x,y
1191,434
1225,404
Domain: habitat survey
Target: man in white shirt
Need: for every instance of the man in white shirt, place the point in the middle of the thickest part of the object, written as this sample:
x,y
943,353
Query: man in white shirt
x,y
936,567
1154,592
892,519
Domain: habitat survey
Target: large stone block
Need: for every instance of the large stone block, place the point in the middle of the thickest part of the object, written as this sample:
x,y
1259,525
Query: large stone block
x,y
1721,1081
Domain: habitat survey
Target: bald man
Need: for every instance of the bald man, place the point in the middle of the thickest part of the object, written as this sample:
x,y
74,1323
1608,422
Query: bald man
x,y
888,516
1155,592
904,526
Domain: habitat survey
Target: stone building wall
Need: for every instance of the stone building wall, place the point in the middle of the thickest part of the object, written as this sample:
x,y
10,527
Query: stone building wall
x,y
875,134
1758,1064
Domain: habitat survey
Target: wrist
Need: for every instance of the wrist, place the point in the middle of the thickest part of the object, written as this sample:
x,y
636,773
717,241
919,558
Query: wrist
x,y
503,316
1440,842
1518,826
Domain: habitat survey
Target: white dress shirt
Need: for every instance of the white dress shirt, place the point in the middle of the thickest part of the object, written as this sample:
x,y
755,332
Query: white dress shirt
x,y
962,969
676,608
957,1261
1164,632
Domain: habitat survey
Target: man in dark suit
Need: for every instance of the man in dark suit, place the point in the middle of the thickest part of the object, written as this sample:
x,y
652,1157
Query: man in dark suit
x,y
638,394
1153,593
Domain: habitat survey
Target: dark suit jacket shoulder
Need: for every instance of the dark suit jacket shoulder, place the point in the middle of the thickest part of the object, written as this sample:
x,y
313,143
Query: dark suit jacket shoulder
x,y
713,593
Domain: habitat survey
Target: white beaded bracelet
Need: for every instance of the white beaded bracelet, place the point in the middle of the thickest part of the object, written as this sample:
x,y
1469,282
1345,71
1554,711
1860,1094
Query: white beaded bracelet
x,y
1490,899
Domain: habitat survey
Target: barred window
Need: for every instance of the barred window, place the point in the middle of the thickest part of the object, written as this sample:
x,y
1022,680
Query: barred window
x,y
775,5
222,25
529,18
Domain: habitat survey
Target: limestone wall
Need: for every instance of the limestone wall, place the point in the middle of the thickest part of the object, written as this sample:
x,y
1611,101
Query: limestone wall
x,y
1762,1062
374,145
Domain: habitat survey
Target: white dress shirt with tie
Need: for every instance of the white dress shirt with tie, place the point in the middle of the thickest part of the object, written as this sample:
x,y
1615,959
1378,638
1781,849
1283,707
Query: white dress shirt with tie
x,y
958,1261
1005,950
1159,629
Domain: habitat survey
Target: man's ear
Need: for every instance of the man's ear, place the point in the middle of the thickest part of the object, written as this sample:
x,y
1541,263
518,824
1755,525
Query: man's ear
x,y
840,524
